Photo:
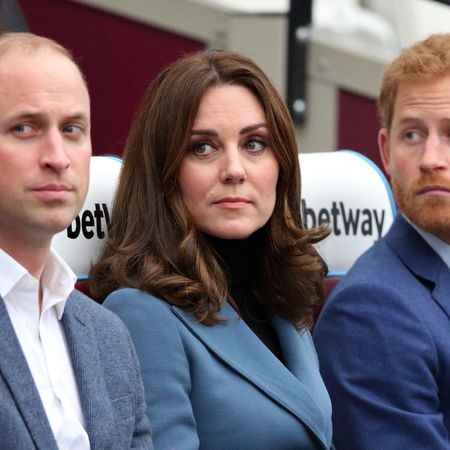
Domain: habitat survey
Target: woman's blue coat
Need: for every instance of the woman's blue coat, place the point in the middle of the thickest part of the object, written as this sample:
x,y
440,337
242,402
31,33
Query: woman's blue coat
x,y
219,387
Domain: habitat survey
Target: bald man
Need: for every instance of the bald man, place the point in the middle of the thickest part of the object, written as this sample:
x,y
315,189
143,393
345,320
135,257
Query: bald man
x,y
69,377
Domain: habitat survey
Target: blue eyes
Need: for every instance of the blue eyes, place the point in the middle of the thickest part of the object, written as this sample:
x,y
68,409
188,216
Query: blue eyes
x,y
411,135
255,146
252,146
21,129
203,148
28,131
73,130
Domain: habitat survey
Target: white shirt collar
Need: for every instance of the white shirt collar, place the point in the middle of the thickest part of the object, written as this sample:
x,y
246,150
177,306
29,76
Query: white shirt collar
x,y
438,245
58,279
10,274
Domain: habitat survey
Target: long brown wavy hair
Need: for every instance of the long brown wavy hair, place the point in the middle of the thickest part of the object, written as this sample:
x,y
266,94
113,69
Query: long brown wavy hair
x,y
154,244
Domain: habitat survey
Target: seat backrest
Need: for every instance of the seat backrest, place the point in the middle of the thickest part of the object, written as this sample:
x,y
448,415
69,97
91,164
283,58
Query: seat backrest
x,y
81,243
350,192
343,188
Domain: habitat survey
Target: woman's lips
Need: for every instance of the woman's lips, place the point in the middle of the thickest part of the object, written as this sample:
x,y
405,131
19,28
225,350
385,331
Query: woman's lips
x,y
232,203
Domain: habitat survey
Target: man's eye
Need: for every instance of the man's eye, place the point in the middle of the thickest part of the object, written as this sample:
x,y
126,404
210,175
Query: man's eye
x,y
412,135
73,130
22,129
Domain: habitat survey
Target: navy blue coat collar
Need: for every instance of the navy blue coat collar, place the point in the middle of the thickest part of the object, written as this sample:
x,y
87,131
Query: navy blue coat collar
x,y
420,259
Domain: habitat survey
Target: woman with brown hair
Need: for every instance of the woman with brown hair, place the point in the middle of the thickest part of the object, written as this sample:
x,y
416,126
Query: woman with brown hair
x,y
219,277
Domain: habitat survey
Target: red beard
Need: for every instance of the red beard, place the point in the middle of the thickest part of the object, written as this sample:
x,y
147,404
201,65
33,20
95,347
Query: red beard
x,y
430,213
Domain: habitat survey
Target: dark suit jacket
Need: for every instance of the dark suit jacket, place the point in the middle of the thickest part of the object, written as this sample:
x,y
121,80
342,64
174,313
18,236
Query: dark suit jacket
x,y
219,387
383,341
107,374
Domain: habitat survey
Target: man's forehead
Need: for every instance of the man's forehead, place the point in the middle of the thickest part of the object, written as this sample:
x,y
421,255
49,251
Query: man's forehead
x,y
15,60
46,65
24,52
412,98
41,87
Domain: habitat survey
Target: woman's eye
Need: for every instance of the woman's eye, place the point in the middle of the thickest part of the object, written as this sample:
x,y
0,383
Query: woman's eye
x,y
203,148
255,146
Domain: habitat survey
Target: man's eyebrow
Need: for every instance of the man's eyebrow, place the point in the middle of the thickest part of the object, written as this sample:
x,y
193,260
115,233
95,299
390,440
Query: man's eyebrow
x,y
26,116
413,120
409,119
79,116
39,115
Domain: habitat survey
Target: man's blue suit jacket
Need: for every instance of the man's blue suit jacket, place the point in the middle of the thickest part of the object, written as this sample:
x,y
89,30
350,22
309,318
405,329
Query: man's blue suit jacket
x,y
107,374
383,340
219,387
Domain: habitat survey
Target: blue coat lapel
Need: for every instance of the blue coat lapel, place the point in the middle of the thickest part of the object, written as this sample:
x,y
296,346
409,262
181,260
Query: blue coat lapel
x,y
301,361
14,369
421,259
238,347
83,350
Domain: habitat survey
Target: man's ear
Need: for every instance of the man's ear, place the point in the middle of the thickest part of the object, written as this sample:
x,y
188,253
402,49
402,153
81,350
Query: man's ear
x,y
385,151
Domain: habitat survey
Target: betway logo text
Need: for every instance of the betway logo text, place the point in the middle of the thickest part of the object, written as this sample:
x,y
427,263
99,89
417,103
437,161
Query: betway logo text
x,y
91,223
348,221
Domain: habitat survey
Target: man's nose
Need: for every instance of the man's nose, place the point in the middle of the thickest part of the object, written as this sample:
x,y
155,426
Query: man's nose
x,y
54,152
435,154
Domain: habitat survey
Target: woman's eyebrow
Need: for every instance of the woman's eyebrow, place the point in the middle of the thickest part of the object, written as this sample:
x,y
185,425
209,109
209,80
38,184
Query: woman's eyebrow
x,y
205,133
213,133
251,128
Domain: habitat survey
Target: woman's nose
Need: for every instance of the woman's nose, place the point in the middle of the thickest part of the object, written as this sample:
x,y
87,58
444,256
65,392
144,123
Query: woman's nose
x,y
233,170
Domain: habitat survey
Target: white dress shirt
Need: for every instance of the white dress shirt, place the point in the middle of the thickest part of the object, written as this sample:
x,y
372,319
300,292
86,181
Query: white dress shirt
x,y
438,245
44,344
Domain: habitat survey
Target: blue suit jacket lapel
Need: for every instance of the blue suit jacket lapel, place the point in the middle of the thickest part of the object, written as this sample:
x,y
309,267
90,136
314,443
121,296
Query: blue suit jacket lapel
x,y
421,259
83,350
238,347
14,369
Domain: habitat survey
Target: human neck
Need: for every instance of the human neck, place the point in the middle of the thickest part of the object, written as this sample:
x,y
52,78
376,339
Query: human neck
x,y
29,253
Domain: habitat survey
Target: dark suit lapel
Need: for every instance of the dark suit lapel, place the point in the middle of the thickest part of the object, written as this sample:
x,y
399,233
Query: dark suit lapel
x,y
238,347
421,259
83,350
14,369
441,292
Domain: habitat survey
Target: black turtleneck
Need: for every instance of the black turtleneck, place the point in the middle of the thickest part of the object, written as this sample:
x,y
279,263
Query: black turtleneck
x,y
237,258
